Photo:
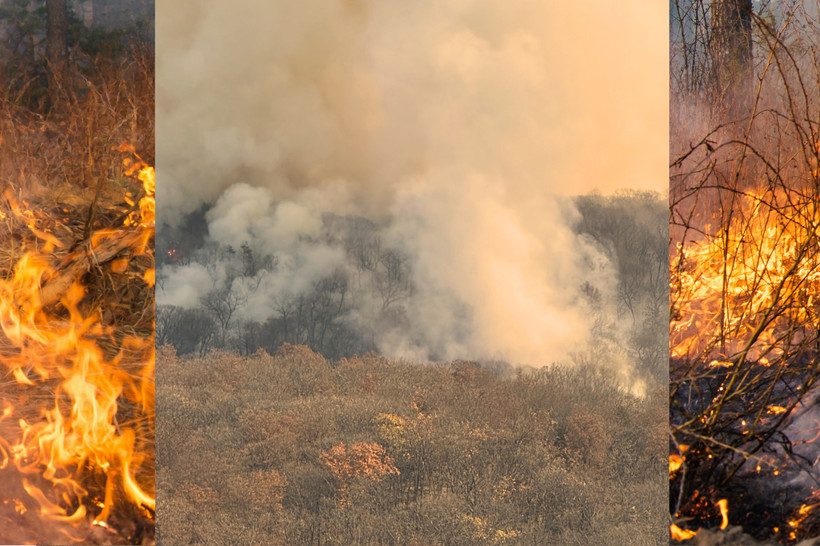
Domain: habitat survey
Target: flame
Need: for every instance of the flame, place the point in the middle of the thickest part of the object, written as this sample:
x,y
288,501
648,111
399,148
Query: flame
x,y
133,163
701,507
681,534
723,285
744,305
723,504
675,462
85,430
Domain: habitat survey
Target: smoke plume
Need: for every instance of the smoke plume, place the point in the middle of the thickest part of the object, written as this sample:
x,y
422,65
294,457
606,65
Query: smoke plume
x,y
445,137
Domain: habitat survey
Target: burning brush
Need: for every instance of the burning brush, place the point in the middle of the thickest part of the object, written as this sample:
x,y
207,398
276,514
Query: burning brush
x,y
745,357
76,422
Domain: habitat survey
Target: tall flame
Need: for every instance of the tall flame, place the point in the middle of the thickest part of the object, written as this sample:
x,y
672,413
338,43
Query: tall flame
x,y
83,401
743,329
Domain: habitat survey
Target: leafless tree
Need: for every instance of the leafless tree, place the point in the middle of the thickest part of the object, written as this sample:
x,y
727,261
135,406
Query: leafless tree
x,y
391,278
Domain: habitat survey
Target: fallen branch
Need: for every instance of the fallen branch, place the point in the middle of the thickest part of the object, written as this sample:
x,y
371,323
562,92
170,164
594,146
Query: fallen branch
x,y
103,246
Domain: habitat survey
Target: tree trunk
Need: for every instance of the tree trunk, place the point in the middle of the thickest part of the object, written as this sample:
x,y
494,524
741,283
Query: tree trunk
x,y
731,46
56,32
56,45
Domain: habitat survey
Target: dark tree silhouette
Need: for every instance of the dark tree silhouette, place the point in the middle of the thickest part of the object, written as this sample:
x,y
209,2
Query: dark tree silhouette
x,y
56,44
731,47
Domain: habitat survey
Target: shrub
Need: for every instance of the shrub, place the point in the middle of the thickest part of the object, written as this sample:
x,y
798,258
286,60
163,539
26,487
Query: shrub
x,y
361,460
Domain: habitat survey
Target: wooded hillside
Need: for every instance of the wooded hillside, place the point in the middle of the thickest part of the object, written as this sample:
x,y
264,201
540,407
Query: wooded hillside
x,y
294,449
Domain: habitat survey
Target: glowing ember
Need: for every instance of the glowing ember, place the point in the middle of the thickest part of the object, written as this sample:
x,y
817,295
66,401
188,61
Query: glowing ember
x,y
77,421
795,522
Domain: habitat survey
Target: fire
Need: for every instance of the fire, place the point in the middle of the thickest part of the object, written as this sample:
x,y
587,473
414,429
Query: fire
x,y
145,174
73,429
724,286
795,522
675,462
743,330
681,534
723,505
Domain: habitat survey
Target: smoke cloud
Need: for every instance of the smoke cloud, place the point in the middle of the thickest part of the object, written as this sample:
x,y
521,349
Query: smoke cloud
x,y
456,128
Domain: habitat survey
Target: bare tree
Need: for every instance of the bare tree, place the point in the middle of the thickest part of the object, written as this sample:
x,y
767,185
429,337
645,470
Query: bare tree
x,y
689,41
223,303
391,278
188,330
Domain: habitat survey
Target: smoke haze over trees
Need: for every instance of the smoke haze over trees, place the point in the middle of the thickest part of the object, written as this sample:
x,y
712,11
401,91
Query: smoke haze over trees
x,y
348,290
394,176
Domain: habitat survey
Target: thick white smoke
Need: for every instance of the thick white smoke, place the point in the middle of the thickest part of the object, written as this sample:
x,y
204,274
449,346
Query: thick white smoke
x,y
454,125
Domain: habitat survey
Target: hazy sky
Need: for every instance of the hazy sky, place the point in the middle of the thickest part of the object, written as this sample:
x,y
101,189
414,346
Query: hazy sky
x,y
576,91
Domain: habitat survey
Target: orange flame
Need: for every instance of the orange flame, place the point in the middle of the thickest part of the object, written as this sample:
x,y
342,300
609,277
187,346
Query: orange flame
x,y
723,504
724,284
79,433
675,462
681,534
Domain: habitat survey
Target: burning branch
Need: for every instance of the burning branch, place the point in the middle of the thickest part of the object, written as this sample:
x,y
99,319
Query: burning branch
x,y
102,248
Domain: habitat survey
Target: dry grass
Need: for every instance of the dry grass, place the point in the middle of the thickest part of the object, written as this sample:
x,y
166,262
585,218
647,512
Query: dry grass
x,y
60,166
66,151
61,180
